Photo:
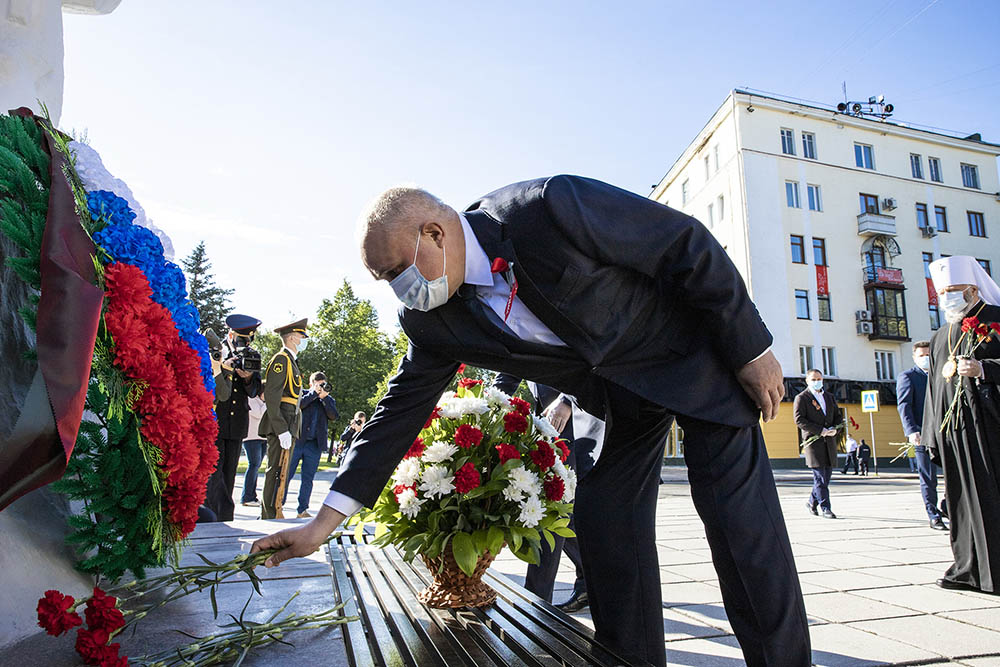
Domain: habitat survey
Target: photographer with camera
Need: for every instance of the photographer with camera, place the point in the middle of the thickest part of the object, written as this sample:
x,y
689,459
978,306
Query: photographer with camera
x,y
239,372
347,437
318,409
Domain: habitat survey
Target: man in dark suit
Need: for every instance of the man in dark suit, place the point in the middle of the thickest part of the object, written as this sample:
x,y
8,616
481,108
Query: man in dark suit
x,y
318,409
911,389
816,413
637,311
558,408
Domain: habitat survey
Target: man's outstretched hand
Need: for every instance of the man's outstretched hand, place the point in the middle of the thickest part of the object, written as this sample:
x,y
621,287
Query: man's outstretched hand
x,y
763,381
300,540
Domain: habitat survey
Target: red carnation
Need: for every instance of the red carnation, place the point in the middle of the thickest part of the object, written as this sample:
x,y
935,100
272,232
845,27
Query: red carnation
x,y
563,450
399,488
469,382
996,327
416,449
90,644
102,612
543,457
982,330
54,615
521,406
435,413
461,369
468,436
970,323
507,452
554,488
466,478
515,422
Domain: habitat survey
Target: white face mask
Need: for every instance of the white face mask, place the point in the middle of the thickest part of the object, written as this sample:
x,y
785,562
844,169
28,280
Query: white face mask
x,y
954,305
924,363
415,291
303,344
816,385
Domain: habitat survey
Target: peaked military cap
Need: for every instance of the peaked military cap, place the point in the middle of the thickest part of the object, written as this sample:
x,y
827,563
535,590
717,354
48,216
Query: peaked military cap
x,y
243,324
298,326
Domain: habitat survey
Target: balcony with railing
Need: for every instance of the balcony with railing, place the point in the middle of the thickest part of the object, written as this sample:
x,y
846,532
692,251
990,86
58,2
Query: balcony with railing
x,y
882,275
872,224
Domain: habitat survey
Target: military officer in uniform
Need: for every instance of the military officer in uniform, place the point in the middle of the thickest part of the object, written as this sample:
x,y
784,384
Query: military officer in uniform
x,y
233,412
282,416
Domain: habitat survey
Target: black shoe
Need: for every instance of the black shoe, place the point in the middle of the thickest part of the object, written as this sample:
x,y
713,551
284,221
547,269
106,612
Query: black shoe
x,y
812,508
577,602
955,585
938,524
828,514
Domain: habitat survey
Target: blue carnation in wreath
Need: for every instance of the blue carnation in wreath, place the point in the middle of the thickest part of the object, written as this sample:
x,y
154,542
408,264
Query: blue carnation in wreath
x,y
106,205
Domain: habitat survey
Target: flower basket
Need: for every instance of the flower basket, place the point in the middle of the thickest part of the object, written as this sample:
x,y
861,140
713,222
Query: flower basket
x,y
453,588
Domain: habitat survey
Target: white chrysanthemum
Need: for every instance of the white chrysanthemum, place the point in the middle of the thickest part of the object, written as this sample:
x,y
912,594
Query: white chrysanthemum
x,y
409,504
559,467
531,512
470,405
407,472
498,399
513,494
569,479
545,427
523,479
439,452
451,406
437,482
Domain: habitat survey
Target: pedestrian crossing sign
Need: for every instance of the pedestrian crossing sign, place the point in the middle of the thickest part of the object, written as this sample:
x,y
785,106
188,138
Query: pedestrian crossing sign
x,y
869,401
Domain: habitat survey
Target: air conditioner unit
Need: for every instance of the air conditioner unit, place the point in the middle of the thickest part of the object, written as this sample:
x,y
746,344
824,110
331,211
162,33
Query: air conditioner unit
x,y
865,328
889,203
862,316
928,232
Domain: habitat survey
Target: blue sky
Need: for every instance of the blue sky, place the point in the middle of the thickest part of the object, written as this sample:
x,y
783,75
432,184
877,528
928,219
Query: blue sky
x,y
264,127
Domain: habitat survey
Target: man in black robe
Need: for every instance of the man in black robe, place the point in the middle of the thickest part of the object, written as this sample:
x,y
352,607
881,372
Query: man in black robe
x,y
963,435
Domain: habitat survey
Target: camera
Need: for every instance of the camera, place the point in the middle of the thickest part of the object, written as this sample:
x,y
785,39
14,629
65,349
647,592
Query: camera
x,y
214,345
326,387
246,359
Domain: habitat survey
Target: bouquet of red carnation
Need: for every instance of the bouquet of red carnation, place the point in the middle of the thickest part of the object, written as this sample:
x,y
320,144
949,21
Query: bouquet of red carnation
x,y
974,334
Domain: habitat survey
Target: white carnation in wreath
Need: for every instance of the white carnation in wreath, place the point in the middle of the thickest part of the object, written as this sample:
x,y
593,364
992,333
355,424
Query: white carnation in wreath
x,y
513,494
545,427
439,452
407,472
409,504
497,399
437,482
531,512
523,479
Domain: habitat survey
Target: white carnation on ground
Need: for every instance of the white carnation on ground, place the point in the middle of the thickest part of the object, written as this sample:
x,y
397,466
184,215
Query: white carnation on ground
x,y
523,479
437,482
498,399
531,512
409,504
439,452
407,473
513,494
545,427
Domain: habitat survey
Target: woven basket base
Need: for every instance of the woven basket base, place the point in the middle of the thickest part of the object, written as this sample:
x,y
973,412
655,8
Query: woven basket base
x,y
452,588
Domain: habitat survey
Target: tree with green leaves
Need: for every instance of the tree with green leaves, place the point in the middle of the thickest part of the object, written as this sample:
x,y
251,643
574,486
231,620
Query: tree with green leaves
x,y
211,300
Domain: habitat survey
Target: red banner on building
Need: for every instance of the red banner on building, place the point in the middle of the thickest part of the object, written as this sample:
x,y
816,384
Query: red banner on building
x,y
931,293
822,282
885,275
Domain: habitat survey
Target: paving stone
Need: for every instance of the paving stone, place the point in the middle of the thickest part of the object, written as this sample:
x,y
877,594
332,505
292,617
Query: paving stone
x,y
984,618
692,592
845,580
927,598
910,574
707,614
714,652
840,646
942,636
847,607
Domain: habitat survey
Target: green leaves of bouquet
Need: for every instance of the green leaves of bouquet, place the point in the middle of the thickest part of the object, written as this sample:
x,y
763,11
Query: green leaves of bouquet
x,y
484,473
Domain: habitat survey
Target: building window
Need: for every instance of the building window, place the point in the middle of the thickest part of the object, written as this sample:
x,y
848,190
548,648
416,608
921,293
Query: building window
x,y
916,166
792,194
721,206
715,157
809,145
885,365
888,309
970,176
829,361
684,192
934,165
928,258
985,263
941,217
815,203
787,141
935,314
805,359
869,203
711,216
708,173
819,252
977,226
823,309
922,220
798,250
863,156
802,304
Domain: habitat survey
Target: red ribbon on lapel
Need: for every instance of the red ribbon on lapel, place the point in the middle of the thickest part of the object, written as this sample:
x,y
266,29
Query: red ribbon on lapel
x,y
500,265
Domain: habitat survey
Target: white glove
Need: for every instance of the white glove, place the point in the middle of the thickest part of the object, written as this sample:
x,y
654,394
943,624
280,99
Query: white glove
x,y
914,438
285,440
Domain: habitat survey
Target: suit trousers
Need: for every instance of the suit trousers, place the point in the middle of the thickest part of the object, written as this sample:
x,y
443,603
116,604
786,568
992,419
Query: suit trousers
x,y
269,495
928,482
852,460
821,488
734,493
219,494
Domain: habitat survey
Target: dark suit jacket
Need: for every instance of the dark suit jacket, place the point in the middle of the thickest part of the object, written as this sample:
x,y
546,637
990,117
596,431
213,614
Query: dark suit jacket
x,y
544,394
911,389
316,414
644,297
811,421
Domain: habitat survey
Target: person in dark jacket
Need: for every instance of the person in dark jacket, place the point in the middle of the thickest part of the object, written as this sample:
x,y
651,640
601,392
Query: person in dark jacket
x,y
864,457
347,437
318,409
816,414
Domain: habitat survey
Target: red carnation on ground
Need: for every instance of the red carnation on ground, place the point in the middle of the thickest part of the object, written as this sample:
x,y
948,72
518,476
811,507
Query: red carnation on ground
x,y
461,369
970,323
563,450
521,406
515,422
543,457
102,612
399,488
554,488
54,615
507,452
466,478
435,413
469,382
416,449
91,645
467,436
